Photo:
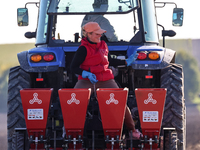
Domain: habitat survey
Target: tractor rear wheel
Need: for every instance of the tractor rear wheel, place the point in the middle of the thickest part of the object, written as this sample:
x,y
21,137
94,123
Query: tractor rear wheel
x,y
174,112
18,79
170,139
18,141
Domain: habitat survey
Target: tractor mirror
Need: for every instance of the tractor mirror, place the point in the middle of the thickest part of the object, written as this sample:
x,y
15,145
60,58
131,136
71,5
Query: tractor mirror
x,y
22,17
177,19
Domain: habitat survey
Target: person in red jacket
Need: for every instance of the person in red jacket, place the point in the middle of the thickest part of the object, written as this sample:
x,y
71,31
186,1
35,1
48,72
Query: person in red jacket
x,y
91,62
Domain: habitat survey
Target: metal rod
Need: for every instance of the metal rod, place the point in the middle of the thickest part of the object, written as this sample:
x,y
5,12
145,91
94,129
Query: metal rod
x,y
95,94
54,140
36,3
54,132
164,3
170,134
93,140
131,139
112,141
162,34
36,142
74,142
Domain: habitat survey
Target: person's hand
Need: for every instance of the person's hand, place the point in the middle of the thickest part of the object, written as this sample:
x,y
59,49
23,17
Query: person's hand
x,y
136,134
90,76
132,58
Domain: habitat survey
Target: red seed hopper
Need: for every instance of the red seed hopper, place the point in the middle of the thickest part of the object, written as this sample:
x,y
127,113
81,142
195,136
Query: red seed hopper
x,y
112,104
74,104
150,104
36,103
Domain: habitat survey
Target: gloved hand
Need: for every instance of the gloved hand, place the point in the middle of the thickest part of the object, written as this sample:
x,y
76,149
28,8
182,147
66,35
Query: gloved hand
x,y
132,58
90,76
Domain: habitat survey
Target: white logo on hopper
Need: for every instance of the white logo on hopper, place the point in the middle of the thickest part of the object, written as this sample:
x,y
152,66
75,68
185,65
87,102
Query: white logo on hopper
x,y
112,99
150,99
35,99
73,99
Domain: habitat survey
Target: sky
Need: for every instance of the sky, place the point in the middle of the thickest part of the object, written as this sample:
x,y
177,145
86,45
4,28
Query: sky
x,y
11,33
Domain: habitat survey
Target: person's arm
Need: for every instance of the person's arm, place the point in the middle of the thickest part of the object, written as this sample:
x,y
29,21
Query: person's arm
x,y
128,61
78,59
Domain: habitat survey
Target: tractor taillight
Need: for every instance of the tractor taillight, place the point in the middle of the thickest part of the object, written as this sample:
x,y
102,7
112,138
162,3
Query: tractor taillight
x,y
48,57
149,77
39,79
36,58
142,56
153,55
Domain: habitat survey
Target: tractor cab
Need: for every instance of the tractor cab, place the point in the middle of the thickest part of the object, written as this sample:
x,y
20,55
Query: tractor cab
x,y
131,22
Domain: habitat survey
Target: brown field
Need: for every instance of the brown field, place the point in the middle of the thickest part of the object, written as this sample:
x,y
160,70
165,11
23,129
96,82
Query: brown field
x,y
192,127
3,131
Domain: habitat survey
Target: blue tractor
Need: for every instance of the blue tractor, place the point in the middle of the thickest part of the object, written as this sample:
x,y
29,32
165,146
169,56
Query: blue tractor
x,y
131,27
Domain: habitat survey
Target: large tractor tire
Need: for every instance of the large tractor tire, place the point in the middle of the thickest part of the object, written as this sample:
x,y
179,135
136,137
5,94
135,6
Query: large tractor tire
x,y
18,141
18,79
170,140
175,111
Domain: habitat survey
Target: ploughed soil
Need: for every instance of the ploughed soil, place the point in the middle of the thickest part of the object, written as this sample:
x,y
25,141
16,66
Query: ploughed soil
x,y
192,128
3,131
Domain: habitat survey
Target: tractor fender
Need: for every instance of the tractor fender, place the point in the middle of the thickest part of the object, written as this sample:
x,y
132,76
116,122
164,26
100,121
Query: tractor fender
x,y
167,57
29,66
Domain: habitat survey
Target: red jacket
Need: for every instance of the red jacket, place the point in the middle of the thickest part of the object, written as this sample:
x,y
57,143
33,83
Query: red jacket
x,y
96,60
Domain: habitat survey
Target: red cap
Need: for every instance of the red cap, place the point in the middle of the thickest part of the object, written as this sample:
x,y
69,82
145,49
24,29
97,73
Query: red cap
x,y
93,27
